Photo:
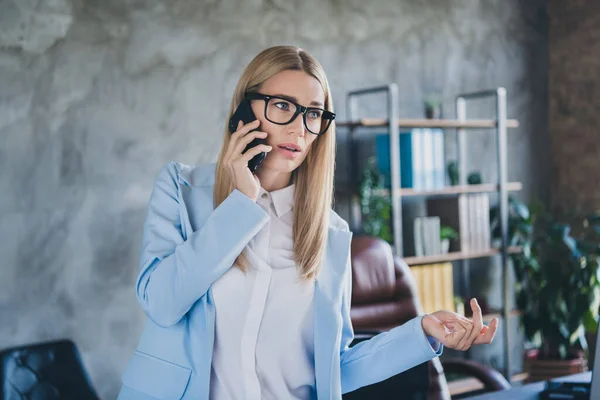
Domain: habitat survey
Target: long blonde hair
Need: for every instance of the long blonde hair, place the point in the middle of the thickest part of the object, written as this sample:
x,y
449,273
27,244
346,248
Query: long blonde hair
x,y
313,178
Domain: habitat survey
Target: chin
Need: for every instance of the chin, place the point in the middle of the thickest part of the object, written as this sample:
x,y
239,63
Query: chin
x,y
282,164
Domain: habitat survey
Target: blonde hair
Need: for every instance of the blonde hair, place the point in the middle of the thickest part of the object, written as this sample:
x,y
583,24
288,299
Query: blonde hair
x,y
313,178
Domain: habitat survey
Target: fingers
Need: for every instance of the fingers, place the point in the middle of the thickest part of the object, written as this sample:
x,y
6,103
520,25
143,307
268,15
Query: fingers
x,y
473,327
244,129
244,141
247,156
477,322
467,327
436,328
488,334
241,132
460,332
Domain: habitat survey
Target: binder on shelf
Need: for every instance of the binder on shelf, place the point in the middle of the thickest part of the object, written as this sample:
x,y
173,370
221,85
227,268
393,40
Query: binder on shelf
x,y
448,287
480,214
485,221
473,229
435,286
439,160
428,159
427,236
421,158
418,236
464,233
438,284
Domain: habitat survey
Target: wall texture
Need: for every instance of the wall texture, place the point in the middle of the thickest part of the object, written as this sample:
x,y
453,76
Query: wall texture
x,y
97,95
574,29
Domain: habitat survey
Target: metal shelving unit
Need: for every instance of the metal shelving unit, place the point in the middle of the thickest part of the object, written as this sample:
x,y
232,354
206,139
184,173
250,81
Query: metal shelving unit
x,y
499,125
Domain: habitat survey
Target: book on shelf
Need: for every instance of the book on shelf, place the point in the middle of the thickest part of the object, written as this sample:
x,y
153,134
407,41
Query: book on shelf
x,y
412,208
435,286
427,236
468,215
421,158
473,228
418,236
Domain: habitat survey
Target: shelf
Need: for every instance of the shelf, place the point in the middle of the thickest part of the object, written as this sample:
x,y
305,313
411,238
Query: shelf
x,y
456,256
496,124
428,123
459,189
445,191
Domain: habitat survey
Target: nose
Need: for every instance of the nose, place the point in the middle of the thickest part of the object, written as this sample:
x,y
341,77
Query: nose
x,y
297,126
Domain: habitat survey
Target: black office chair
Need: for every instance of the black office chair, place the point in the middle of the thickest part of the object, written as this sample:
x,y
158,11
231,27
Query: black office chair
x,y
45,371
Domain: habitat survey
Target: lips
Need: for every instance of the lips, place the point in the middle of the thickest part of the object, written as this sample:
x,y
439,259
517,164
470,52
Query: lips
x,y
290,146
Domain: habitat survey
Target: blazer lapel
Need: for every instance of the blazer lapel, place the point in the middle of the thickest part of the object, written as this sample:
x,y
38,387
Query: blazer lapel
x,y
327,310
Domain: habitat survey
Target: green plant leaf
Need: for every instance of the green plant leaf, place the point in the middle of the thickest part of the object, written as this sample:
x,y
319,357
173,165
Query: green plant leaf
x,y
520,209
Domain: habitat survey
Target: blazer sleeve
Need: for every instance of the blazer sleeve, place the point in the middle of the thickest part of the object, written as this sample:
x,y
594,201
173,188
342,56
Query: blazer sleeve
x,y
175,273
384,355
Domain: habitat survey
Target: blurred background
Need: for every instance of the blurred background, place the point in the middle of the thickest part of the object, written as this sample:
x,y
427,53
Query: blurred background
x,y
95,96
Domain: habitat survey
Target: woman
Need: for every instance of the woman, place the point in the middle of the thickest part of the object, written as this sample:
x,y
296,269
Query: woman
x,y
246,278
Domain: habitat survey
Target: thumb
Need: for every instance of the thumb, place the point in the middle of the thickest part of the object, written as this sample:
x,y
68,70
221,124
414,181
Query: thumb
x,y
437,329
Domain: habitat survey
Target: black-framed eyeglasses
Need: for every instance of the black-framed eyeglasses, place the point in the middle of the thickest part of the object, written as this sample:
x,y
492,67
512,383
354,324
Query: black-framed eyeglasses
x,y
282,111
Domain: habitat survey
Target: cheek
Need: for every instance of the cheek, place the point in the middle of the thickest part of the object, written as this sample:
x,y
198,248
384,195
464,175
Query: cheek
x,y
309,147
310,140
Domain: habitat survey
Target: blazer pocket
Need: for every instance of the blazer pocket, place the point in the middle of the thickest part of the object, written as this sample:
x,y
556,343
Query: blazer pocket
x,y
156,377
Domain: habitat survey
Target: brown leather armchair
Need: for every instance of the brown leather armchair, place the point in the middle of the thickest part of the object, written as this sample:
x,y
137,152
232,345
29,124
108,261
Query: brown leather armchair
x,y
384,296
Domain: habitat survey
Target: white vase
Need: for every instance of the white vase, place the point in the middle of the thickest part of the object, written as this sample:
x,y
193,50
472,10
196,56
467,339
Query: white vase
x,y
445,245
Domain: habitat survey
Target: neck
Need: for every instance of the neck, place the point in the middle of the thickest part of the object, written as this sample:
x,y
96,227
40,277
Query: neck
x,y
273,180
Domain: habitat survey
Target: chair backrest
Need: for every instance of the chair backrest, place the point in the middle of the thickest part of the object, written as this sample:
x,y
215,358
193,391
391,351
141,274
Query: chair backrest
x,y
50,370
384,296
383,291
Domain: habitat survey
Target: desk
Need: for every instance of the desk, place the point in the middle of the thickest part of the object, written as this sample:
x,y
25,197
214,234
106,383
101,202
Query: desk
x,y
532,390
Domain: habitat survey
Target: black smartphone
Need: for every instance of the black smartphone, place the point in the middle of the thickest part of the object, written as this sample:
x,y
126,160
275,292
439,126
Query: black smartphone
x,y
244,113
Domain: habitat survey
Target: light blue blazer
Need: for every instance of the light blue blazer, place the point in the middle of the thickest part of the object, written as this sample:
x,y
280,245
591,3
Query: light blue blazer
x,y
187,245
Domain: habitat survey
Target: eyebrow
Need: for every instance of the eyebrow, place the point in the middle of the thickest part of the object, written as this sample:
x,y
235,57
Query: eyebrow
x,y
295,100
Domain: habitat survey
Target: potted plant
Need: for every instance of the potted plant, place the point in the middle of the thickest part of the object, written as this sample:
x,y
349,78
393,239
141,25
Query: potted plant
x,y
590,324
474,177
433,107
375,203
452,170
556,286
446,235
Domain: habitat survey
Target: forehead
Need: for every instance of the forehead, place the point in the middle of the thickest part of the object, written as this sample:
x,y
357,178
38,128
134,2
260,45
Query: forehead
x,y
306,88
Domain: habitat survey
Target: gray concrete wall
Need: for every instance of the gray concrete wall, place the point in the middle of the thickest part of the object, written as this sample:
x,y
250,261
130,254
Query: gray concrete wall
x,y
96,95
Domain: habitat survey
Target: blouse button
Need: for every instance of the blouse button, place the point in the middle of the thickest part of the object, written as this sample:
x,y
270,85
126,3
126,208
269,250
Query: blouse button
x,y
264,196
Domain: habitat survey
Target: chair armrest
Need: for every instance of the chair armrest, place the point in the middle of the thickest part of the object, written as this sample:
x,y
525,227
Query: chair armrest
x,y
491,379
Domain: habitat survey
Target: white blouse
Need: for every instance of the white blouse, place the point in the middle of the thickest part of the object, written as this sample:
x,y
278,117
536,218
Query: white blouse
x,y
264,341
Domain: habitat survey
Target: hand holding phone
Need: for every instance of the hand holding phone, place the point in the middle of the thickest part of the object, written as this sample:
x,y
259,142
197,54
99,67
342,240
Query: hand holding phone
x,y
245,114
236,161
